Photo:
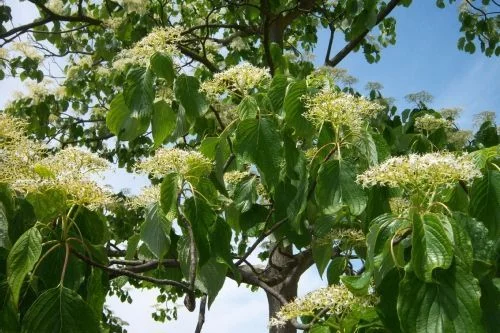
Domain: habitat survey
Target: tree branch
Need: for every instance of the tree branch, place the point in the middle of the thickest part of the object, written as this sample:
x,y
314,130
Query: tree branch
x,y
355,42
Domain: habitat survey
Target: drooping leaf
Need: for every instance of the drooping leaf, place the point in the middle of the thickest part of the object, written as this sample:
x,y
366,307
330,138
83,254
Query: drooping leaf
x,y
294,108
322,253
277,91
260,142
248,108
485,200
212,276
21,260
336,187
60,310
335,270
186,90
123,122
47,204
163,66
155,231
169,190
358,285
163,121
449,305
432,245
138,92
200,216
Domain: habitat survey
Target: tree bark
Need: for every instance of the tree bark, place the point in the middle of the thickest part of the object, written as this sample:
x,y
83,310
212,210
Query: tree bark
x,y
288,288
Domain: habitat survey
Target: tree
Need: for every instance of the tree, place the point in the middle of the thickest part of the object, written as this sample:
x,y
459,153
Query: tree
x,y
250,151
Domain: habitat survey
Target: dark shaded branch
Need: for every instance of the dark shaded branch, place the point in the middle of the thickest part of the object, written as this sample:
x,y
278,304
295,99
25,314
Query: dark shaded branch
x,y
355,42
197,57
201,316
115,272
260,239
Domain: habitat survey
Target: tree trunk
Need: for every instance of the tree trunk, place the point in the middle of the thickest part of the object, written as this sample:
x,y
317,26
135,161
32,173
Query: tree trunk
x,y
287,288
290,292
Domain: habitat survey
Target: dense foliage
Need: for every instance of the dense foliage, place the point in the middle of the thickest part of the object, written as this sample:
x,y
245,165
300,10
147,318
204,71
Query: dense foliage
x,y
252,153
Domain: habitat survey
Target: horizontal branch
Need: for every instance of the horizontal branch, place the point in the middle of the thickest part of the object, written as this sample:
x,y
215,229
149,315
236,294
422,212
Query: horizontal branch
x,y
123,272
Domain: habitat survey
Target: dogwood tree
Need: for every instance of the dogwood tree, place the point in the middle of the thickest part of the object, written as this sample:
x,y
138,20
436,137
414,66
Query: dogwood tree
x,y
252,152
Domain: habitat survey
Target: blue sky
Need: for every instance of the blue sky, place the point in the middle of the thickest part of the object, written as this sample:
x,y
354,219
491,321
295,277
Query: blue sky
x,y
425,57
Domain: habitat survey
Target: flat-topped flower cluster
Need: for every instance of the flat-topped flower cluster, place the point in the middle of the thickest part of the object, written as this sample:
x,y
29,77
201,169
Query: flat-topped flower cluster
x,y
25,166
241,79
429,123
158,40
341,110
423,173
336,298
185,163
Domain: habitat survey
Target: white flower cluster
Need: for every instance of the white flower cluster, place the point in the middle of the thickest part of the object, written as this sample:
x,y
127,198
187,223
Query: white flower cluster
x,y
55,6
349,236
241,79
336,298
421,173
70,171
430,123
341,110
459,138
399,205
38,91
83,63
158,40
185,163
148,196
327,77
451,113
26,50
234,177
483,117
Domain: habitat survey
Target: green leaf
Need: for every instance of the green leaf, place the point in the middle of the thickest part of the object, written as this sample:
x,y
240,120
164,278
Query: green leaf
x,y
322,253
163,66
335,270
212,276
21,260
124,123
169,190
336,187
60,310
200,216
186,90
294,108
48,204
138,92
245,194
450,305
432,245
248,108
277,91
358,285
4,228
155,231
485,200
259,141
163,121
92,226
132,243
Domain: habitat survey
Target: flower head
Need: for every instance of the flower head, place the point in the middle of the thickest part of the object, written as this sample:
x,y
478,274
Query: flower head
x,y
185,163
336,298
26,50
148,196
158,40
422,173
240,79
430,123
340,109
